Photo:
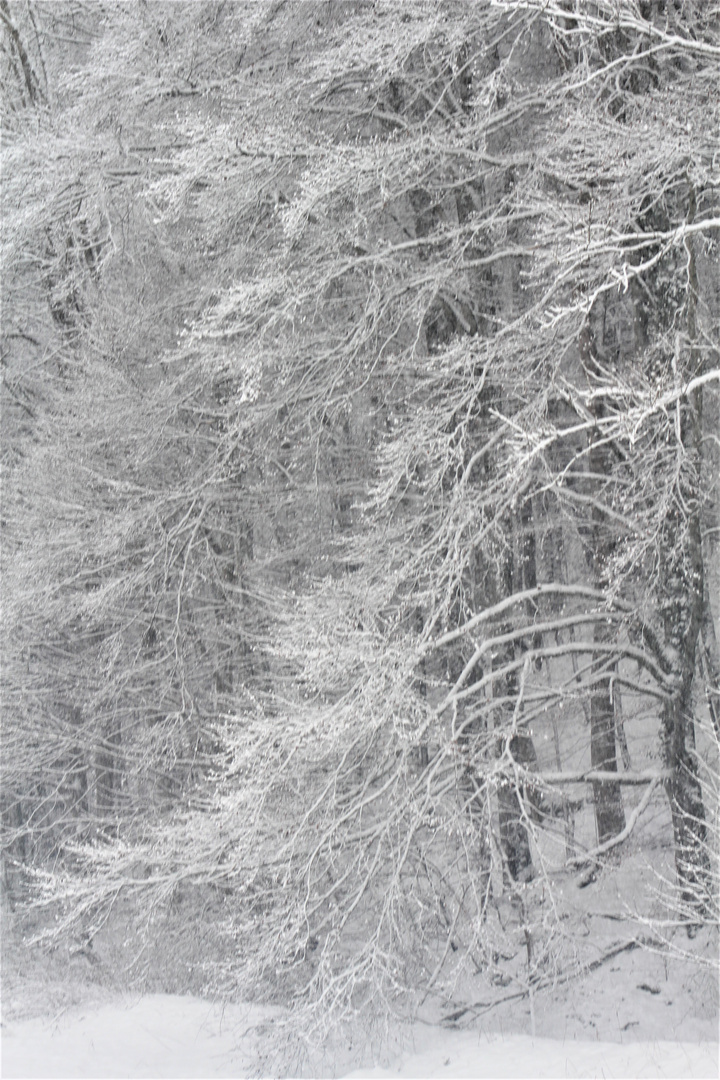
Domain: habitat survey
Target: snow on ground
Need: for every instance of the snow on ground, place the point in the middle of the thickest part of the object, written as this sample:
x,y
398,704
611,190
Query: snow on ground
x,y
464,1054
162,1035
159,1035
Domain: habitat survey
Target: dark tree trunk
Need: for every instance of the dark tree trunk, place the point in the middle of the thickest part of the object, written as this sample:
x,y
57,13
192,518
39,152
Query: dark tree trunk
x,y
513,832
683,611
609,810
474,793
711,663
514,836
684,791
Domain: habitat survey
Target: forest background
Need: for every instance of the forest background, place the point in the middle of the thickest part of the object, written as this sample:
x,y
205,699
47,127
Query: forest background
x,y
360,509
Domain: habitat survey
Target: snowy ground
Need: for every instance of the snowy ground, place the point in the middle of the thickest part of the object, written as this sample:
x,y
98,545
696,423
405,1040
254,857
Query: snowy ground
x,y
163,1035
158,1035
640,1013
465,1054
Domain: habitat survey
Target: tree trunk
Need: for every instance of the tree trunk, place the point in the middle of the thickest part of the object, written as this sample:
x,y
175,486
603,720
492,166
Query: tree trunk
x,y
683,613
474,793
514,837
609,811
711,663
683,610
684,791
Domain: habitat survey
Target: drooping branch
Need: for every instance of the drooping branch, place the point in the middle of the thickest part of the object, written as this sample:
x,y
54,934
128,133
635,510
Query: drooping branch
x,y
598,776
519,598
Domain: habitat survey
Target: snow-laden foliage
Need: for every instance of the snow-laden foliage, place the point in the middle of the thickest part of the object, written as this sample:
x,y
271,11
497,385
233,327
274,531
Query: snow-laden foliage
x,y
361,368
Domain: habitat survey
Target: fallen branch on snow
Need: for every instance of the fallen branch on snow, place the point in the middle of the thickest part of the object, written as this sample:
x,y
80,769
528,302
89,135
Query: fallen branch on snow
x,y
479,1007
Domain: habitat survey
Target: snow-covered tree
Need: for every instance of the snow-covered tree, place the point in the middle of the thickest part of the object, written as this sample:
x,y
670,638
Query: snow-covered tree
x,y
363,558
